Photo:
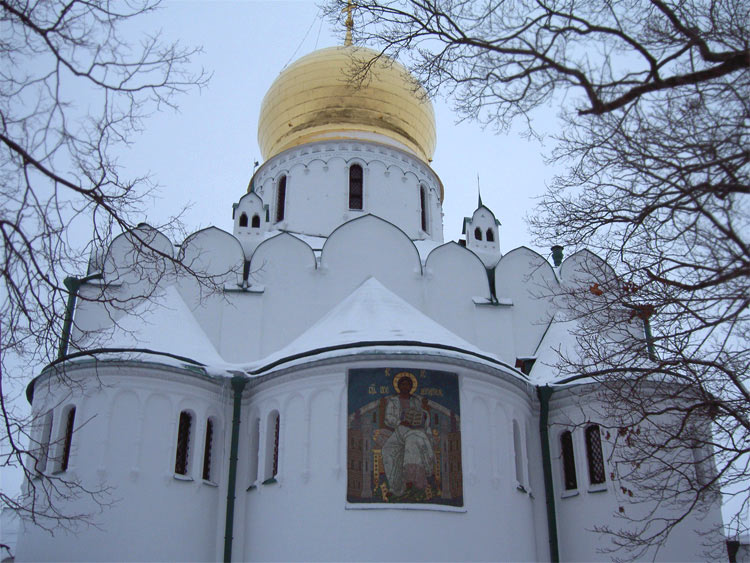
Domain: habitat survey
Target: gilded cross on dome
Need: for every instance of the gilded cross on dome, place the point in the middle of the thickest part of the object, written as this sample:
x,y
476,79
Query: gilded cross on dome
x,y
349,22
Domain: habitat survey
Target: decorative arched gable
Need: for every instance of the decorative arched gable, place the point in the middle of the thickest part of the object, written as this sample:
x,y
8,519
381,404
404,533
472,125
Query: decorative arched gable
x,y
215,253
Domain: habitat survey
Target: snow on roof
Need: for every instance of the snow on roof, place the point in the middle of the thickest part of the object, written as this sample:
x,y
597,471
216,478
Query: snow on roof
x,y
315,242
163,325
558,338
371,319
424,247
373,314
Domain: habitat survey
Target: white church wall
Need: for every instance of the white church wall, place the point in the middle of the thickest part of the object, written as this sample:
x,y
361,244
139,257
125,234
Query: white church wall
x,y
93,317
126,443
537,491
528,280
454,278
312,479
214,255
139,260
214,260
494,328
587,271
131,273
365,247
591,506
129,253
285,268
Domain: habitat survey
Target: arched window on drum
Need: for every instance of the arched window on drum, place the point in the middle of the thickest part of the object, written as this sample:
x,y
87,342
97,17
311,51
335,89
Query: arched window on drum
x,y
356,187
280,199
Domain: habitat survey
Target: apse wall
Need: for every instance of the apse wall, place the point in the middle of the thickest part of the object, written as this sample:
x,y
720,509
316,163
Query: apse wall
x,y
588,507
126,426
493,524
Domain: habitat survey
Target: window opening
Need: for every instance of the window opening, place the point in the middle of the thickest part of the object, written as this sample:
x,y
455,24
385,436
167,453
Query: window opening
x,y
243,220
183,443
44,443
355,187
518,454
254,448
594,454
478,233
423,207
207,450
276,448
256,221
69,421
568,460
280,199
272,448
490,235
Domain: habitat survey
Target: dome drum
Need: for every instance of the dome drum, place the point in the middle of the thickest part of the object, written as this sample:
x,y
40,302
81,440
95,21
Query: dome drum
x,y
391,188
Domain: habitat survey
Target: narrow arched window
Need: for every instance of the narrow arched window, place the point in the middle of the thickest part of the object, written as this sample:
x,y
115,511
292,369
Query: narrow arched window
x,y
207,450
490,235
182,454
256,221
254,450
568,460
280,199
478,233
272,448
518,453
67,438
423,207
40,465
243,220
594,454
355,187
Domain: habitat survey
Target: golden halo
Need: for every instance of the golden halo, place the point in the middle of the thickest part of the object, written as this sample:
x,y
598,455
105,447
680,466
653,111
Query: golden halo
x,y
405,374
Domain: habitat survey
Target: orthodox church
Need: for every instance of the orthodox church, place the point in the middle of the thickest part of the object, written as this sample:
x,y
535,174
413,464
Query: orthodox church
x,y
330,380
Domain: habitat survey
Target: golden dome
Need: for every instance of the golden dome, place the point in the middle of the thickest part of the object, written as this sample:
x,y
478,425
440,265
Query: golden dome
x,y
314,100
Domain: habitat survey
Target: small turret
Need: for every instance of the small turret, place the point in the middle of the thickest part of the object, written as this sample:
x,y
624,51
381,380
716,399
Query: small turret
x,y
250,222
482,234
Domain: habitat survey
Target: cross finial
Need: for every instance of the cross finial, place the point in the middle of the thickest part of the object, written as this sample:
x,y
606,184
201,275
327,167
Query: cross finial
x,y
349,22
